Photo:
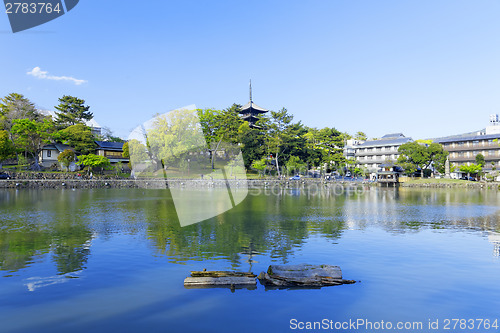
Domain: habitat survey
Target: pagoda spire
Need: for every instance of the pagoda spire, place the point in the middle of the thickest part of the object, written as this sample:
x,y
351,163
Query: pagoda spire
x,y
250,90
251,111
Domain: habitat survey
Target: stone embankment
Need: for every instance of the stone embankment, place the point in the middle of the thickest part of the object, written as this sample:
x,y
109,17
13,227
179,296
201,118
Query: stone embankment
x,y
464,184
71,180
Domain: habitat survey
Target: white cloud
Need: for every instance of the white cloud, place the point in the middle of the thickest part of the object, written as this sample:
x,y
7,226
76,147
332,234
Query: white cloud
x,y
38,73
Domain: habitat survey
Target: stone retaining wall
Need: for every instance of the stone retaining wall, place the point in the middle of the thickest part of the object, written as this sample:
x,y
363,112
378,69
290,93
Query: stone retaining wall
x,y
155,183
71,180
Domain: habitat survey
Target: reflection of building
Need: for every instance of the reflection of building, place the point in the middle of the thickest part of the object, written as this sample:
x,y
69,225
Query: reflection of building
x,y
495,239
251,111
371,154
464,148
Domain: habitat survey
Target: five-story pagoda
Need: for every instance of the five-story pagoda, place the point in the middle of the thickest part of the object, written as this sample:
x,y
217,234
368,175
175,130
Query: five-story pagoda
x,y
251,111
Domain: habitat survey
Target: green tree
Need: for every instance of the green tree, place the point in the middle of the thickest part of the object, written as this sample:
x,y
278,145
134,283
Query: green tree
x,y
6,147
16,106
294,164
71,111
470,169
172,137
414,156
480,160
360,136
279,135
252,142
137,153
126,150
30,136
66,157
78,136
219,126
260,165
325,147
92,161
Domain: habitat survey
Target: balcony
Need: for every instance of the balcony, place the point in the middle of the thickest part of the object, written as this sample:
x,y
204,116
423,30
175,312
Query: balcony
x,y
486,146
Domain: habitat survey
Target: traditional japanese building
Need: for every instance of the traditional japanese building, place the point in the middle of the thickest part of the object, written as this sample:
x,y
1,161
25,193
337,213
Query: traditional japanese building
x,y
250,112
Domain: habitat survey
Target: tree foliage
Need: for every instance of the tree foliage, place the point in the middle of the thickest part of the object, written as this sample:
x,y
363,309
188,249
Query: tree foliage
x,y
78,136
414,156
66,157
360,136
72,111
480,160
6,146
16,106
470,169
30,135
92,161
260,165
295,164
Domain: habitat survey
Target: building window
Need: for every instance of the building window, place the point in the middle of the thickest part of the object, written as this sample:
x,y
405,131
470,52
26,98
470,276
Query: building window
x,y
475,143
113,154
49,153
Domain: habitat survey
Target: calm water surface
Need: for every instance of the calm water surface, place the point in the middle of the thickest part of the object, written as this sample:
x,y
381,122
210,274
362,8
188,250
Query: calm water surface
x,y
115,260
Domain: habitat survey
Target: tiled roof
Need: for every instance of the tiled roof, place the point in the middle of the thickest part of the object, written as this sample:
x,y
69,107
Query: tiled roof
x,y
467,137
393,135
110,145
253,106
57,146
384,142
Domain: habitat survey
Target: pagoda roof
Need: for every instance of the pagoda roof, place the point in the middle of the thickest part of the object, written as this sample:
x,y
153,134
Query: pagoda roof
x,y
250,118
251,106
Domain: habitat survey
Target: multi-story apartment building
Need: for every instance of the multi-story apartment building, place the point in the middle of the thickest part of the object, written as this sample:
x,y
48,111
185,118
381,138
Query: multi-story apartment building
x,y
373,153
464,148
350,148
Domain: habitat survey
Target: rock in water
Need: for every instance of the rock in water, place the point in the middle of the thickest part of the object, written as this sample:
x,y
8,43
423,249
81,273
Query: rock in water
x,y
219,281
304,275
219,278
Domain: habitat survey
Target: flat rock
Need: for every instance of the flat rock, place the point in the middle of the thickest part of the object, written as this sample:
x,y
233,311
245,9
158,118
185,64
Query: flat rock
x,y
304,275
219,281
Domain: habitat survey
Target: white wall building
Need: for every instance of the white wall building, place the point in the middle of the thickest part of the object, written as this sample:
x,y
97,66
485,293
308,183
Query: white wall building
x,y
373,153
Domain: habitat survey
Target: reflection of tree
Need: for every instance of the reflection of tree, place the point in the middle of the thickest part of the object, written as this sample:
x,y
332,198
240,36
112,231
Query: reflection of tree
x,y
62,224
20,242
274,225
71,248
64,233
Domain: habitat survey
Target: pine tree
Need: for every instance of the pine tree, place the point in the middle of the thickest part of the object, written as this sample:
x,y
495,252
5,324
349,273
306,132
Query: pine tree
x,y
72,111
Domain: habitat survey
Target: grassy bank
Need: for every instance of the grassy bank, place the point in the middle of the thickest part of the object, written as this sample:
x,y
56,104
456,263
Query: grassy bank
x,y
437,181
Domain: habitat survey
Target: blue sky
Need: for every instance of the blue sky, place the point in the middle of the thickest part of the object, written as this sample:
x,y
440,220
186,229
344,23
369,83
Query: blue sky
x,y
425,68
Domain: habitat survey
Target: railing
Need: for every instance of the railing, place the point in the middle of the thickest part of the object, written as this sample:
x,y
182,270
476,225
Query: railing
x,y
487,146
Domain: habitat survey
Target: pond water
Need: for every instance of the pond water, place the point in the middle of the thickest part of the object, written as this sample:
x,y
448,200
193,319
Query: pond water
x,y
115,260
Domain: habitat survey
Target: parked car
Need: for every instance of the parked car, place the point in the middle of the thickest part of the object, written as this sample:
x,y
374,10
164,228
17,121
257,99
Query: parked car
x,y
296,177
3,175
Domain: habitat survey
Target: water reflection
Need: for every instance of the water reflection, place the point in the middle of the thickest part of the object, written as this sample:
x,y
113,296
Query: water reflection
x,y
273,222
